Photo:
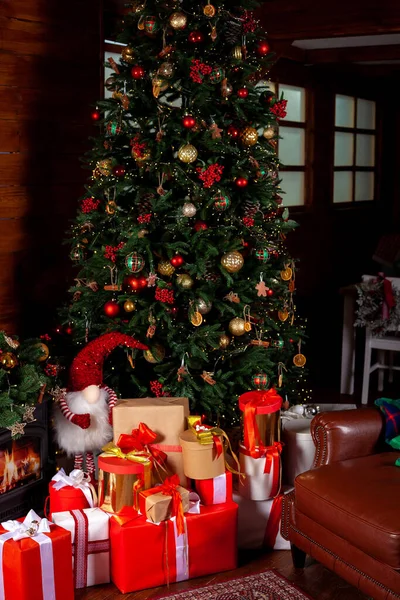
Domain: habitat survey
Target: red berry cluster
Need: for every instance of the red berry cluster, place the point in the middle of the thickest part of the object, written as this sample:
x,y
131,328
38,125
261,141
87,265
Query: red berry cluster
x,y
51,370
138,148
249,22
144,218
164,295
111,251
156,388
45,337
248,221
89,204
198,70
279,109
210,175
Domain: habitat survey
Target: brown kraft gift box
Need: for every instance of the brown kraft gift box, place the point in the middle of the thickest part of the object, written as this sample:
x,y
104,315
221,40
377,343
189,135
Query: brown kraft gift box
x,y
166,416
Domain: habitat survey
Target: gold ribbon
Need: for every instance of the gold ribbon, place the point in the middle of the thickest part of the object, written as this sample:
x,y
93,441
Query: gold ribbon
x,y
137,456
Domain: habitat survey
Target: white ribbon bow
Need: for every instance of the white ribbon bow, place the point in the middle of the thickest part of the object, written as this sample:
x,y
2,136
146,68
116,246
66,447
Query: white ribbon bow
x,y
79,480
31,526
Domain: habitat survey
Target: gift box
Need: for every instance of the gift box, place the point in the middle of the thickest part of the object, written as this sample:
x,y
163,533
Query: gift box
x,y
35,560
71,492
261,417
203,450
90,536
215,491
263,472
120,480
259,523
166,416
144,555
164,501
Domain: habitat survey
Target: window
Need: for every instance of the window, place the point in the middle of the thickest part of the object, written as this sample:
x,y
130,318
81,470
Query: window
x,y
108,71
292,147
355,148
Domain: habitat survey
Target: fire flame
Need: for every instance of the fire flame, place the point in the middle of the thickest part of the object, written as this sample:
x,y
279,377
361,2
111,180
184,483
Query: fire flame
x,y
18,465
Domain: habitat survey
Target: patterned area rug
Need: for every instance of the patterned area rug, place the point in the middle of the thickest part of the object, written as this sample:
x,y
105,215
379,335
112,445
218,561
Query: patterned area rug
x,y
263,586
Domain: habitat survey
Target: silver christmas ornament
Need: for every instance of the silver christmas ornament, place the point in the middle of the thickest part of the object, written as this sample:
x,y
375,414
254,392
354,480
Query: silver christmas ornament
x,y
203,307
189,209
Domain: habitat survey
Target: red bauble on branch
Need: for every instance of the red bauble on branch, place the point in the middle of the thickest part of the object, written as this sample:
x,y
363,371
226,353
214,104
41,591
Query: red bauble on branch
x,y
270,292
241,182
119,170
142,282
96,115
263,48
137,72
196,37
200,225
111,308
243,92
133,283
233,131
177,260
188,121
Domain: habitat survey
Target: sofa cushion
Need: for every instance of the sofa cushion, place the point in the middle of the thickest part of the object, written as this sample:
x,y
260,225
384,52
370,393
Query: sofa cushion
x,y
358,500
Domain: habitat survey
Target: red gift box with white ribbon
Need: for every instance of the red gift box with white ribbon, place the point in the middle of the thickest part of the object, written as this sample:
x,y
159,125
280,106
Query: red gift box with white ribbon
x,y
215,491
35,560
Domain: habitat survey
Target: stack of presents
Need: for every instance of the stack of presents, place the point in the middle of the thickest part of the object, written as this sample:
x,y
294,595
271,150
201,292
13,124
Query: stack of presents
x,y
174,502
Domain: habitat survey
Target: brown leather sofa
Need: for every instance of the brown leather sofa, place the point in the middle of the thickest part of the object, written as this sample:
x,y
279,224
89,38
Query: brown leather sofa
x,y
345,512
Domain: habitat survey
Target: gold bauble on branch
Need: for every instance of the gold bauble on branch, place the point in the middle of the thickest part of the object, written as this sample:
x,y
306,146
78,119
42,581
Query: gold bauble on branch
x,y
44,350
166,70
105,166
187,153
203,307
184,281
128,55
165,268
249,136
129,306
178,20
224,341
8,360
237,326
155,355
269,133
232,261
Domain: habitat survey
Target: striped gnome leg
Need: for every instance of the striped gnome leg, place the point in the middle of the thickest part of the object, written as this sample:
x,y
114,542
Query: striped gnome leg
x,y
112,400
90,463
78,463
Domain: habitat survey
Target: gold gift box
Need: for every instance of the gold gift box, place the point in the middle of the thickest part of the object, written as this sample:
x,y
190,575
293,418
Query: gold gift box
x,y
120,481
157,506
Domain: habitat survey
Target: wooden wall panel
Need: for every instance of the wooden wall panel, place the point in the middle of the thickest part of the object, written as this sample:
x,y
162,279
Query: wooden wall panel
x,y
50,73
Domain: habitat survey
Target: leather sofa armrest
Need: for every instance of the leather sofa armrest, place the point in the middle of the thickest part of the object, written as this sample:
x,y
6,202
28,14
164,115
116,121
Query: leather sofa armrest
x,y
288,513
345,434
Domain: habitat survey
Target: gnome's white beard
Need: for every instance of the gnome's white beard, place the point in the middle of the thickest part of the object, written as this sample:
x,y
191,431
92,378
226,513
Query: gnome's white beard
x,y
75,440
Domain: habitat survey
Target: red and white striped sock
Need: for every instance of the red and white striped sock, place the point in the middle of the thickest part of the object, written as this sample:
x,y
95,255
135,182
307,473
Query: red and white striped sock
x,y
64,407
112,397
89,462
78,464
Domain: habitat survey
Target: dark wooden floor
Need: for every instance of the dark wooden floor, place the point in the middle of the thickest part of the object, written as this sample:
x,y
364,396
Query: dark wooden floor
x,y
317,581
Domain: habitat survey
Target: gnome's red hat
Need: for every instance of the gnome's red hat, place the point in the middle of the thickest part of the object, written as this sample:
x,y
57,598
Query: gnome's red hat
x,y
87,366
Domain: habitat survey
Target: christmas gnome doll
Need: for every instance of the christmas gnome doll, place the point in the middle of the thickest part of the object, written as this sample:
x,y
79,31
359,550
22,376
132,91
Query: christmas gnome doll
x,y
83,413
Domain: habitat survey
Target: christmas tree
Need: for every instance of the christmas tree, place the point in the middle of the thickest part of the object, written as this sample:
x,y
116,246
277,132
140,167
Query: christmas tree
x,y
180,236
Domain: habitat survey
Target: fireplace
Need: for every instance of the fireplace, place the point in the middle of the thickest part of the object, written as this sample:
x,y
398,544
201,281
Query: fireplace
x,y
24,468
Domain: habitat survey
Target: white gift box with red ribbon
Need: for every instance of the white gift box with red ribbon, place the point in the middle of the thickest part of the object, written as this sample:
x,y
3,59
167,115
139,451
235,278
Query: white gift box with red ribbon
x,y
90,531
262,471
260,523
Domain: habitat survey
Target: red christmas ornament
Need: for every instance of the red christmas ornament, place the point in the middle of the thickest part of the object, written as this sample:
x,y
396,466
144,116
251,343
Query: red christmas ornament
x,y
177,260
143,282
270,292
96,115
119,170
188,121
263,48
233,131
200,225
111,308
196,37
68,330
174,311
291,340
243,92
137,72
133,283
241,182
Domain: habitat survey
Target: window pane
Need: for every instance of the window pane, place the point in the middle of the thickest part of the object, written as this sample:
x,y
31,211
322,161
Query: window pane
x,y
365,154
344,149
343,186
108,71
296,97
365,186
293,186
344,116
366,114
291,146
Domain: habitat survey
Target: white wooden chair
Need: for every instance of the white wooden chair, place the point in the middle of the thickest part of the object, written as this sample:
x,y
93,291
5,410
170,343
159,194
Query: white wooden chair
x,y
390,343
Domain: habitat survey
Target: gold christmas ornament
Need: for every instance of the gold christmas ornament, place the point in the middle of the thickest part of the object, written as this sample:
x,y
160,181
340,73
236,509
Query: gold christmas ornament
x,y
159,85
188,153
249,136
224,341
232,261
128,55
145,155
283,315
299,360
189,209
196,319
155,355
237,53
45,352
209,10
142,233
165,268
8,360
129,306
178,20
185,281
137,7
111,207
203,307
105,166
287,274
166,70
269,133
140,24
237,326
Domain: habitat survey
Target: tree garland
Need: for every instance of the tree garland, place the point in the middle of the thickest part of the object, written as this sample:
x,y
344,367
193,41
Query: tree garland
x,y
373,311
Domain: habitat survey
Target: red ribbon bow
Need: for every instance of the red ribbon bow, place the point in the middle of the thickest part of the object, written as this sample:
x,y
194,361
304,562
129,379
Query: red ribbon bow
x,y
169,488
272,454
252,437
141,439
388,296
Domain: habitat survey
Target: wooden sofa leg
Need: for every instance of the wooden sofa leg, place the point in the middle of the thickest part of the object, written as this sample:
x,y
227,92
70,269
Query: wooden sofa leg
x,y
298,557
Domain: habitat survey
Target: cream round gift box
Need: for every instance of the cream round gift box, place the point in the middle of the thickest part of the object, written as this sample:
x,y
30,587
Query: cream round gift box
x,y
200,461
258,485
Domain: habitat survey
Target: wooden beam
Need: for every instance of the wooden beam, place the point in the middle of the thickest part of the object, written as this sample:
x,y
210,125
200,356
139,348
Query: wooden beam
x,y
284,49
354,54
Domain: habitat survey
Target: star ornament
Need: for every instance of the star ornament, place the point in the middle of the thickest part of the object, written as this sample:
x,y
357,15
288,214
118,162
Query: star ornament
x,y
215,131
17,429
28,414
